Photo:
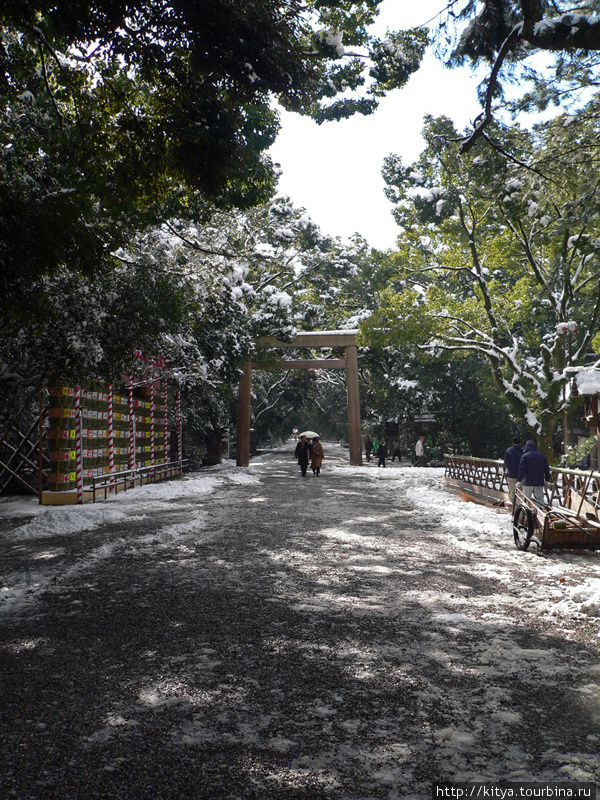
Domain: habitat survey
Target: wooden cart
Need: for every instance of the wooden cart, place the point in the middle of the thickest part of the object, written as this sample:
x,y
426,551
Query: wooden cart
x,y
555,527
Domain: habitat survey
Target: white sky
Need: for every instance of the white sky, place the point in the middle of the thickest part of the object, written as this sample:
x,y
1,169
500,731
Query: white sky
x,y
334,170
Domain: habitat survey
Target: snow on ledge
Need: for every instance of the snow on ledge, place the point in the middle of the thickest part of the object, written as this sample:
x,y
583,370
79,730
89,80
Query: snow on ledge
x,y
588,381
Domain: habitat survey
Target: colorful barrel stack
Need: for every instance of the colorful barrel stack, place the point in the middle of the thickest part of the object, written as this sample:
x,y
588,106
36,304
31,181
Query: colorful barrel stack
x,y
133,421
94,419
61,438
150,413
120,428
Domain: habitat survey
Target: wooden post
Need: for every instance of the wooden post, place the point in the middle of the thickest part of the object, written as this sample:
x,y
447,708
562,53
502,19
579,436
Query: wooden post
x,y
131,425
179,432
78,453
41,448
243,440
152,433
111,432
166,458
353,406
317,339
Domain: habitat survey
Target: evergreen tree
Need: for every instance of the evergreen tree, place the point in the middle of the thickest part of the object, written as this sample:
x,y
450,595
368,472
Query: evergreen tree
x,y
500,257
117,115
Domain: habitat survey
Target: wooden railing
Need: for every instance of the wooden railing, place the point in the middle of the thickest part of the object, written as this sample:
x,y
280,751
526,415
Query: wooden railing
x,y
481,477
484,478
105,484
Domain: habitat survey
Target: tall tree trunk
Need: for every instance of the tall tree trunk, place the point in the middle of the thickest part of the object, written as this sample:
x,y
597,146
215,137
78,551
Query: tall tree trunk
x,y
546,437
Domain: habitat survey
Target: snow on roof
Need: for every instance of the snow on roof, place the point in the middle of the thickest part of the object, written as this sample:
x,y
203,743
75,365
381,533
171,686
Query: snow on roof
x,y
588,381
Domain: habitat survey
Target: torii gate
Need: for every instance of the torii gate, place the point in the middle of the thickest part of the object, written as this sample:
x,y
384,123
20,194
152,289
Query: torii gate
x,y
345,339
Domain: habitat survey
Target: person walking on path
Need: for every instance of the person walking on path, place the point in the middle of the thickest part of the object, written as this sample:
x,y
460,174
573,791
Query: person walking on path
x,y
512,460
368,447
395,448
421,460
533,472
302,453
375,446
316,456
382,453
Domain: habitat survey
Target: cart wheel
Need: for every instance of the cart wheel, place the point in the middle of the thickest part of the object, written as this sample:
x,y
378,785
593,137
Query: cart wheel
x,y
522,527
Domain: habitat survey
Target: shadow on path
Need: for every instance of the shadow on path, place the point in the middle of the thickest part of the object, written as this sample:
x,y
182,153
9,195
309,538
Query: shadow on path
x,y
284,638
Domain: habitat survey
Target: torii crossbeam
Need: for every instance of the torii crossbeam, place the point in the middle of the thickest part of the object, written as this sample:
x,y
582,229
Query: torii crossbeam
x,y
345,339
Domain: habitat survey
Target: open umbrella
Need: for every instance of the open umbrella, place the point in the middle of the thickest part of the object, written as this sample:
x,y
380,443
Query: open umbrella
x,y
309,435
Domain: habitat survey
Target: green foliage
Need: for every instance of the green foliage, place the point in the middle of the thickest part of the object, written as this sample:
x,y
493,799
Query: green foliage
x,y
476,31
578,454
397,58
111,112
197,295
563,37
497,254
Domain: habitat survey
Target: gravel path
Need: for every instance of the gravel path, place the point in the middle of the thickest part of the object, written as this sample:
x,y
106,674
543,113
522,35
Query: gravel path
x,y
290,638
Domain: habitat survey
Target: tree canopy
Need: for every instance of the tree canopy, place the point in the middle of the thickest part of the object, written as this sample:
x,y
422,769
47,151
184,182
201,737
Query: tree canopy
x,y
116,114
136,203
496,257
486,26
505,33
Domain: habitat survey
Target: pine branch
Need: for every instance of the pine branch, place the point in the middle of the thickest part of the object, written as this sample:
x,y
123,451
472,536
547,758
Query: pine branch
x,y
488,117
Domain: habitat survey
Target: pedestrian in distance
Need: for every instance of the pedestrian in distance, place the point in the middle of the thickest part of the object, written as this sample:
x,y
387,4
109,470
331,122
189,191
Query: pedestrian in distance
x,y
302,453
421,456
368,447
382,453
534,471
376,443
512,460
395,448
316,456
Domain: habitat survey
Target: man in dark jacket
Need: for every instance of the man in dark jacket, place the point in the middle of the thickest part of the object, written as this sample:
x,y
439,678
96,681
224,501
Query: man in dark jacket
x,y
533,471
302,453
382,453
512,459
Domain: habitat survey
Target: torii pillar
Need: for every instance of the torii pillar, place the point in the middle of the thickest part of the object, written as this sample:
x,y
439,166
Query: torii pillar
x,y
354,441
345,339
243,441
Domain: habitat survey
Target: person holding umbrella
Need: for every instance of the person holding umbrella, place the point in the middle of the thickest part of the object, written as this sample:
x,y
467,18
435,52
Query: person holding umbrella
x,y
316,456
302,453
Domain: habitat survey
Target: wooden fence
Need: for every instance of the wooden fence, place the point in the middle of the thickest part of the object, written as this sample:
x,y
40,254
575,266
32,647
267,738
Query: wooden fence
x,y
23,457
484,479
106,484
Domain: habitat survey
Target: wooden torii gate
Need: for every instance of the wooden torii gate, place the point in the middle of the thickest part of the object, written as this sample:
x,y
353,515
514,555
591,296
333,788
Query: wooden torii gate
x,y
345,339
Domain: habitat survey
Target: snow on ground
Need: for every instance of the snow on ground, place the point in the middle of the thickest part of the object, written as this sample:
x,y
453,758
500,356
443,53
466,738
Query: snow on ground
x,y
570,583
132,505
366,633
569,580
